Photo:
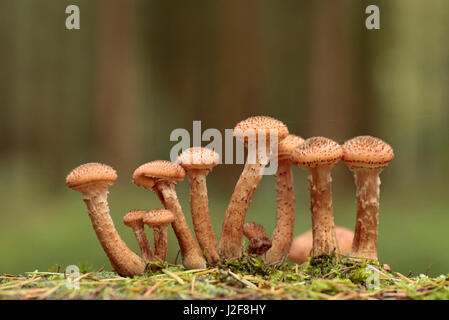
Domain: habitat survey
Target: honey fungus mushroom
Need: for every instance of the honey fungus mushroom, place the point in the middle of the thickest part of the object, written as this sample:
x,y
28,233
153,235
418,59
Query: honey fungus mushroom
x,y
159,220
254,132
198,162
366,156
162,176
134,219
257,236
318,155
93,181
285,212
302,244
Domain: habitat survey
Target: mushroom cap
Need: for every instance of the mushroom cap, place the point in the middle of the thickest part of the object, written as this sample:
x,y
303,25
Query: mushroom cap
x,y
367,152
260,125
198,158
158,217
302,244
288,145
148,174
316,151
134,217
254,230
259,246
90,173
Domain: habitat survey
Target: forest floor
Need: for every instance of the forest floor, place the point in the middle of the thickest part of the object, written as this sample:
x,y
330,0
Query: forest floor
x,y
248,278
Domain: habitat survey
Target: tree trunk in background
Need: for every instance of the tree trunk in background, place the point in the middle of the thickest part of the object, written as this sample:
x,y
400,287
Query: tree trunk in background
x,y
333,94
241,62
115,96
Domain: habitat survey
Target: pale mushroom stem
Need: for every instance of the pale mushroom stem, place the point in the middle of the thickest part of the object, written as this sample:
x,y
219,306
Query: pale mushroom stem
x,y
200,215
231,238
192,257
365,235
124,261
285,214
147,253
323,227
160,242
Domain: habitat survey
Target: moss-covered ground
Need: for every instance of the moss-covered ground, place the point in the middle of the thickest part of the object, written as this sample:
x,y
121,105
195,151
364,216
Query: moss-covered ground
x,y
248,278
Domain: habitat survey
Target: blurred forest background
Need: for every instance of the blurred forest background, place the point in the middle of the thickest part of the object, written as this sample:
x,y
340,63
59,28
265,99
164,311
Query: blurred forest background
x,y
114,90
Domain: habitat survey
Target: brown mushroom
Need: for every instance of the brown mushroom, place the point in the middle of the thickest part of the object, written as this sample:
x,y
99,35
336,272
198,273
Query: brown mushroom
x,y
285,212
198,162
302,244
159,220
134,219
162,176
259,130
258,241
319,155
366,156
93,181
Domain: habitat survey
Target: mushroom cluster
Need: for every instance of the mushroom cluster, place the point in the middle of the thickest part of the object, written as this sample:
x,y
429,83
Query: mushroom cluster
x,y
365,156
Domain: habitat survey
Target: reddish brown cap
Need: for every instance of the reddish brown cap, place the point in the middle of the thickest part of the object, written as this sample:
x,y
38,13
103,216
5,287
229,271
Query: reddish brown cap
x,y
149,173
158,217
317,151
288,145
260,125
198,158
90,173
367,152
254,230
134,217
302,244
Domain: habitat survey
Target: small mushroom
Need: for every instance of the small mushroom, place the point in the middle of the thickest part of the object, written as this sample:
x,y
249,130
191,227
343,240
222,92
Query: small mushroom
x,y
93,181
366,156
319,155
134,219
198,162
285,212
302,244
159,220
258,241
260,128
162,176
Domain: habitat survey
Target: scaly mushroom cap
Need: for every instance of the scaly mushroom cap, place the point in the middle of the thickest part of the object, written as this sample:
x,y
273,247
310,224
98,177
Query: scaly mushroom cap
x,y
302,244
260,125
367,152
254,230
90,173
288,145
149,173
158,217
317,151
198,158
134,217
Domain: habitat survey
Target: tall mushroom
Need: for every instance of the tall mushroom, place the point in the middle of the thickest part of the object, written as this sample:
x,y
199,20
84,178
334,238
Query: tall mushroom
x,y
162,176
285,212
134,219
159,219
302,244
366,156
258,241
319,155
198,162
93,181
260,129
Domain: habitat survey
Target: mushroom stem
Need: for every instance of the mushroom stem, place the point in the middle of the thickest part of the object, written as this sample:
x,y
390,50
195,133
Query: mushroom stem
x,y
365,235
147,253
323,227
192,257
200,215
160,242
285,214
231,239
124,261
